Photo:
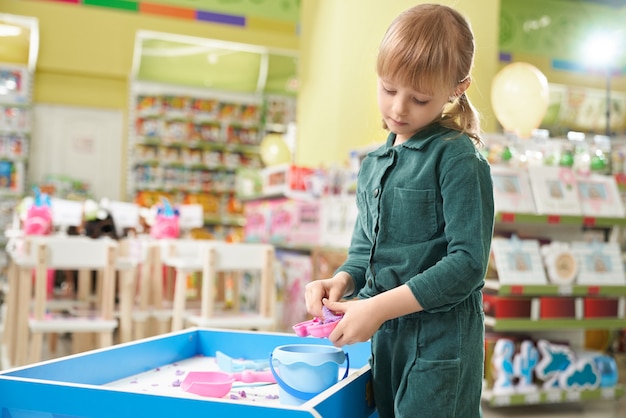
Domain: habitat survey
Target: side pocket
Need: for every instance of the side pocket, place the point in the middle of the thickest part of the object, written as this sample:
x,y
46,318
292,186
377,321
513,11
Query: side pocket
x,y
430,389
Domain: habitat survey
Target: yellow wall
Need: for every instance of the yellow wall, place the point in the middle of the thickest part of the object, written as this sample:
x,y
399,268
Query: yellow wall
x,y
337,109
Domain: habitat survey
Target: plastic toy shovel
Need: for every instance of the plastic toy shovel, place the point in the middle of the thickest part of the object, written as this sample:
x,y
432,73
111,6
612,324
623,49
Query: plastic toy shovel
x,y
216,384
229,364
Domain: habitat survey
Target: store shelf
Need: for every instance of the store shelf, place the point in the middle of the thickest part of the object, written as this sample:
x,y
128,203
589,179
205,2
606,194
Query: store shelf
x,y
587,221
553,290
542,324
552,396
225,220
187,145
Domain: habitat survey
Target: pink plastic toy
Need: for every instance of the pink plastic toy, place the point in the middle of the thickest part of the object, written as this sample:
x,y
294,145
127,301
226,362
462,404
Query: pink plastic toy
x,y
38,219
216,384
166,222
318,327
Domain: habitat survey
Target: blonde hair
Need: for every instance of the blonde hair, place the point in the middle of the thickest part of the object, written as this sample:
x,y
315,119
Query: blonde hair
x,y
431,48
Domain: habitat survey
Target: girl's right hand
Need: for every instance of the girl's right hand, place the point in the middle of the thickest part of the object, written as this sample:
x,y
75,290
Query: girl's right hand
x,y
332,289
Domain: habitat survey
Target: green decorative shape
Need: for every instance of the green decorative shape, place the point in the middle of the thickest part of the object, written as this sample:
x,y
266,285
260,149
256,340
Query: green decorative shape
x,y
128,5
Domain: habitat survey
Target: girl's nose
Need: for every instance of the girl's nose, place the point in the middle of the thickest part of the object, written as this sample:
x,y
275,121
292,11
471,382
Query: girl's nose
x,y
399,105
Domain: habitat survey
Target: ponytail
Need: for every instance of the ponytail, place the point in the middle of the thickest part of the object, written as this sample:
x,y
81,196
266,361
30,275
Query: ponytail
x,y
462,116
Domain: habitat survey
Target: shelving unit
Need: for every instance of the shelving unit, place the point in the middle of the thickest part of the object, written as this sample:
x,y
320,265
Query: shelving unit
x,y
565,220
15,128
15,137
552,396
533,293
187,144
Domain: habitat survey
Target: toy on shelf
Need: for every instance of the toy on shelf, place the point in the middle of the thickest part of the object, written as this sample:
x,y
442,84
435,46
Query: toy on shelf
x,y
166,222
561,263
38,217
98,220
555,366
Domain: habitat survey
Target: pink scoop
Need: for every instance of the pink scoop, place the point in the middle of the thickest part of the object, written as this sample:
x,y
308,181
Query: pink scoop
x,y
217,384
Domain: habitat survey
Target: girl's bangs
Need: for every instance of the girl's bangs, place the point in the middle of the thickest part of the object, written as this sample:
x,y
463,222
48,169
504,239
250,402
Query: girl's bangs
x,y
412,68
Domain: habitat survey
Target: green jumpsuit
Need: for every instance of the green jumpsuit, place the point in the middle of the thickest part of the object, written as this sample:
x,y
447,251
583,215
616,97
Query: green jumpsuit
x,y
426,220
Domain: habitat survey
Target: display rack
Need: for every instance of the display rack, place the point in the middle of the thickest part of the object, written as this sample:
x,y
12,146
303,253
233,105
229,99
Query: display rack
x,y
532,294
15,136
552,396
186,144
15,128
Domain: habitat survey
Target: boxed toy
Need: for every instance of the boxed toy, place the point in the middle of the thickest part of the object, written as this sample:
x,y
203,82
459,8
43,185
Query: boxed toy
x,y
294,222
294,181
257,214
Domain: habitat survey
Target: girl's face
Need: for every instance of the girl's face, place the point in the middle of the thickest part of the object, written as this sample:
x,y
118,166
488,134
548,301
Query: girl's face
x,y
406,111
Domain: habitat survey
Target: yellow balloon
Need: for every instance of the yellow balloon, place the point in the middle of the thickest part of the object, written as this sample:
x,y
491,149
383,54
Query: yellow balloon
x,y
520,98
274,150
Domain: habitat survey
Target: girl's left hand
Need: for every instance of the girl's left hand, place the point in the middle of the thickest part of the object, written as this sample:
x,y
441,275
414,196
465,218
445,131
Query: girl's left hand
x,y
360,321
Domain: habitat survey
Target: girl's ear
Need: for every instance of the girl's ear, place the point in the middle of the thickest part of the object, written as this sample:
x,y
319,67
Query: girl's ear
x,y
463,86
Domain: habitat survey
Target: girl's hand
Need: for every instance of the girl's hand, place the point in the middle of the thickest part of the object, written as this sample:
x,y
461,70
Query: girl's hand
x,y
360,321
332,289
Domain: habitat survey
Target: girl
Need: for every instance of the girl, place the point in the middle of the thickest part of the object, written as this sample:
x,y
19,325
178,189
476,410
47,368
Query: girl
x,y
421,242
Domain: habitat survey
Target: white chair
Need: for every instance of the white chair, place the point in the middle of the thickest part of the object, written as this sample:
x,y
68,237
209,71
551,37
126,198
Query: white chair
x,y
140,288
184,257
127,264
74,253
230,261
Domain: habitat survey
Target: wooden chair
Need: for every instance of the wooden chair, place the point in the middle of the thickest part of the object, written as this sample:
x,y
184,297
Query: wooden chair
x,y
184,257
126,266
74,253
15,325
229,262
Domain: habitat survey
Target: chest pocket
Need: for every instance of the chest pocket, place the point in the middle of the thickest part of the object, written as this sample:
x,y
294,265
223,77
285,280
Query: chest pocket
x,y
413,215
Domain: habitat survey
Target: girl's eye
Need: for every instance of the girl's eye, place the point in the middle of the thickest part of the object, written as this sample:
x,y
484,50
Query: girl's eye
x,y
388,91
420,102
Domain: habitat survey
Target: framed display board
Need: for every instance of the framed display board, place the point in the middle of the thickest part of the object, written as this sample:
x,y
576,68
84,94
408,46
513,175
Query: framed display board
x,y
518,262
555,190
599,196
511,190
600,263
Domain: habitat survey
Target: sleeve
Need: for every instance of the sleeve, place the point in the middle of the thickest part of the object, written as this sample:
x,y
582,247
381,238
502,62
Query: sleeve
x,y
468,213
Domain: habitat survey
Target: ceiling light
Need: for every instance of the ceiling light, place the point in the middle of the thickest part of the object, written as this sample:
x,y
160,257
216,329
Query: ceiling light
x,y
601,49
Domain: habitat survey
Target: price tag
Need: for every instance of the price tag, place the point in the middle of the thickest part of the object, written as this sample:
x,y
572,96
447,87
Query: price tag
x,y
191,216
608,393
532,398
502,400
565,290
572,395
66,212
553,396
